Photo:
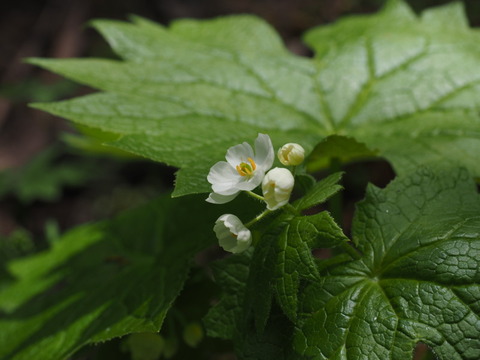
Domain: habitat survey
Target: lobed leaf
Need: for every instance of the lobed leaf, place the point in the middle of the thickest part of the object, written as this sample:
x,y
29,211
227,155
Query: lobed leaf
x,y
396,83
418,279
391,82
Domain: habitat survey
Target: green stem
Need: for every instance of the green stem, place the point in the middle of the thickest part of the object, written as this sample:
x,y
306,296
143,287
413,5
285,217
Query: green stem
x,y
258,218
256,196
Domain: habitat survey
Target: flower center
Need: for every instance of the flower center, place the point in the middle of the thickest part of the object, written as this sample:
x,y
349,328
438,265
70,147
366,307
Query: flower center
x,y
246,169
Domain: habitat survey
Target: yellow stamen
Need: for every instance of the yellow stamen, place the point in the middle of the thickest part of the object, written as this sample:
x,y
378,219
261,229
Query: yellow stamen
x,y
245,169
254,166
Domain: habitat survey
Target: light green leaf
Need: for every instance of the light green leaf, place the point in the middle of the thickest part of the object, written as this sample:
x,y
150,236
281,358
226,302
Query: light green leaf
x,y
182,95
418,279
398,84
103,280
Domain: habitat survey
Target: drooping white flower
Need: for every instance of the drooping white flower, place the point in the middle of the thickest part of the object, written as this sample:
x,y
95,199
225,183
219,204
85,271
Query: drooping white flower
x,y
243,170
277,187
291,154
232,235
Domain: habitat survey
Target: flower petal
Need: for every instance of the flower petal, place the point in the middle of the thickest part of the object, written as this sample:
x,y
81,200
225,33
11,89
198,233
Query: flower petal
x,y
223,178
251,183
215,198
264,153
238,154
222,172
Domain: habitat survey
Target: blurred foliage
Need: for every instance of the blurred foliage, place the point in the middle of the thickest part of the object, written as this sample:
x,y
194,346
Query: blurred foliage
x,y
182,336
44,177
33,89
17,244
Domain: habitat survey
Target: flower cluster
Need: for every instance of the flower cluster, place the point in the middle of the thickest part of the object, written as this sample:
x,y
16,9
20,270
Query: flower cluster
x,y
244,170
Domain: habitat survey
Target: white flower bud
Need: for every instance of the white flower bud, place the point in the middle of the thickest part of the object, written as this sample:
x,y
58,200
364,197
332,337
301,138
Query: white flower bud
x,y
232,235
291,154
277,186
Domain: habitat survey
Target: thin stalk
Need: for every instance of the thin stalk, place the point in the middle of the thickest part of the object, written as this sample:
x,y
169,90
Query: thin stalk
x,y
258,218
256,196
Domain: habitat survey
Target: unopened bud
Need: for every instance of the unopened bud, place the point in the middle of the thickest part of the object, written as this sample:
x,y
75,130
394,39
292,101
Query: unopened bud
x,y
232,235
277,186
291,154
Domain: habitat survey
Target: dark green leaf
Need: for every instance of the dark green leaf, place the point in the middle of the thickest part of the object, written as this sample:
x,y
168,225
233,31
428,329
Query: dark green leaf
x,y
231,275
294,259
417,281
259,292
320,192
274,343
103,280
226,319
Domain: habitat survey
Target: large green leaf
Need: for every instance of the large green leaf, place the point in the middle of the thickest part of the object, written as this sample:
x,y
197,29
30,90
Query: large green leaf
x,y
404,85
184,95
418,279
103,280
392,84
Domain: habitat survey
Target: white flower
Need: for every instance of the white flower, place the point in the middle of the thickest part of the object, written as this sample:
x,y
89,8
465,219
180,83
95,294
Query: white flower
x,y
232,235
277,186
291,154
243,170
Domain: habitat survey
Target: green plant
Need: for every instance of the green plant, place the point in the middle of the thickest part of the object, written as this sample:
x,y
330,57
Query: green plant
x,y
390,85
